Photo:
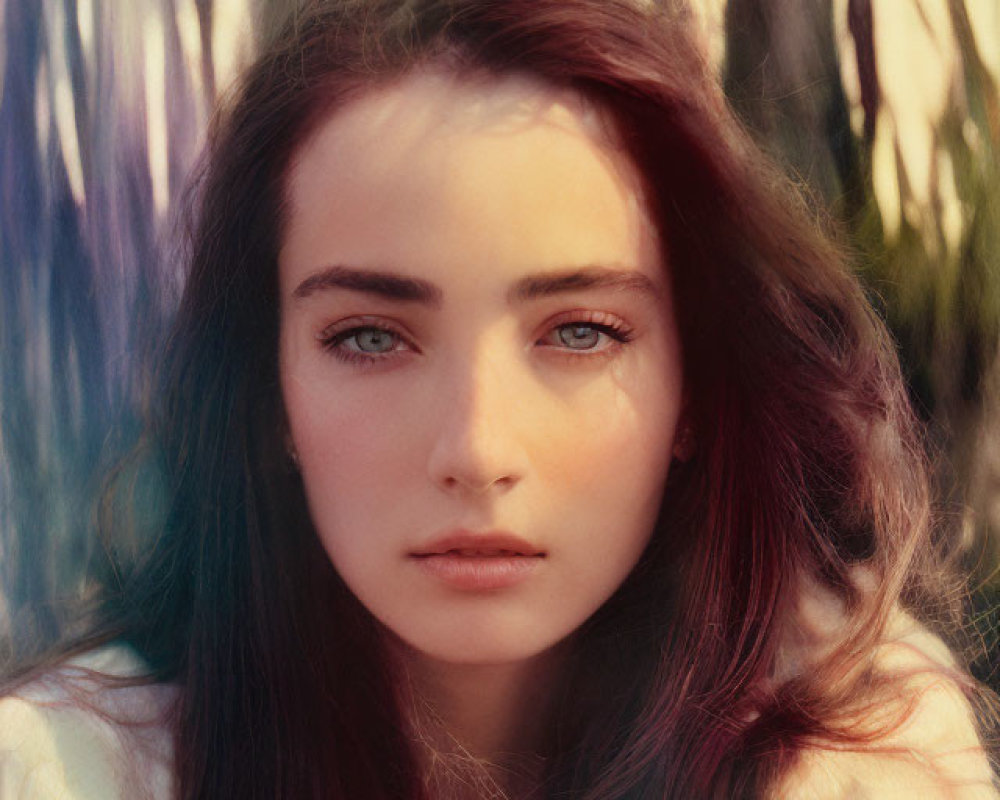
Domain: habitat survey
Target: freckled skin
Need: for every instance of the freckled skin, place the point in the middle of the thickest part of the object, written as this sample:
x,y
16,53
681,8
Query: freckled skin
x,y
478,416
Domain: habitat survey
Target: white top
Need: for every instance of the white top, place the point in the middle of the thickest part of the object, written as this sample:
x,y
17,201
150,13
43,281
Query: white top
x,y
67,736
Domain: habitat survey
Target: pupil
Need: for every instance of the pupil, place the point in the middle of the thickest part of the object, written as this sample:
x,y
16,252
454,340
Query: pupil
x,y
580,337
372,340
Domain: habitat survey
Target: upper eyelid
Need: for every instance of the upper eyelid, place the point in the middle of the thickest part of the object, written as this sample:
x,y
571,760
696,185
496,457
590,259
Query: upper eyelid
x,y
587,317
361,323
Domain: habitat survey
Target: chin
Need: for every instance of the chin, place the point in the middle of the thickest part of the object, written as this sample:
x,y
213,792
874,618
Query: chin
x,y
484,647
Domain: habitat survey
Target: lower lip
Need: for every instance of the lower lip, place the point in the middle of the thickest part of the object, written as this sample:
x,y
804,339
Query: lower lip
x,y
479,573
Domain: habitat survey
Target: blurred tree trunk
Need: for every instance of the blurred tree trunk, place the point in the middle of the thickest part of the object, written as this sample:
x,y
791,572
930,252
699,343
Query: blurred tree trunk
x,y
782,75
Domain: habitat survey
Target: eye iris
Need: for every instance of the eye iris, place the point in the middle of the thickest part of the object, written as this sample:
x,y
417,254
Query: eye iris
x,y
579,337
373,340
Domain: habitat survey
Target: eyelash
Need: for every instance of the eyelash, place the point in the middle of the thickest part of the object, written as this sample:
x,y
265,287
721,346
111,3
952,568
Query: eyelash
x,y
614,328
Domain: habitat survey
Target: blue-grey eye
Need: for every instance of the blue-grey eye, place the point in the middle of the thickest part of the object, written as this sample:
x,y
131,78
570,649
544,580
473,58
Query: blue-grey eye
x,y
374,340
579,337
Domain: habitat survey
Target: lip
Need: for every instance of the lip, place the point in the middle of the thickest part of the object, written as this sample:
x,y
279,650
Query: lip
x,y
479,561
491,543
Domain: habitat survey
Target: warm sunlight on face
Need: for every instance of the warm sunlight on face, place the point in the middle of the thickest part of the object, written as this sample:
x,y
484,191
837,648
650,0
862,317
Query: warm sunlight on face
x,y
479,360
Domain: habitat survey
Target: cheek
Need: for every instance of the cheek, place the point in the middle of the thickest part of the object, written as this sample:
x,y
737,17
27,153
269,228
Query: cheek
x,y
618,440
621,472
333,426
354,457
609,472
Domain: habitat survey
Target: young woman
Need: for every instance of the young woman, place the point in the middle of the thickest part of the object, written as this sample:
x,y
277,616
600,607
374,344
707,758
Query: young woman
x,y
524,437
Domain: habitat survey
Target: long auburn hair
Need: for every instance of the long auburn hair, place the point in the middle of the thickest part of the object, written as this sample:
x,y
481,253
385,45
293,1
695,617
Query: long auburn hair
x,y
807,461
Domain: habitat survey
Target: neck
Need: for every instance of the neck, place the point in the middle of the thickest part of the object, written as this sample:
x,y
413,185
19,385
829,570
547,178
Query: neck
x,y
492,719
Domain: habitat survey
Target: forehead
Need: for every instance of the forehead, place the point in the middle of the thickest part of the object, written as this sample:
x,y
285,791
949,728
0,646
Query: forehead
x,y
439,158
430,104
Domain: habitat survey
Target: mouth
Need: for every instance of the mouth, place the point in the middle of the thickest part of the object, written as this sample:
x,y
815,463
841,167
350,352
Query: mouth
x,y
476,552
479,562
467,544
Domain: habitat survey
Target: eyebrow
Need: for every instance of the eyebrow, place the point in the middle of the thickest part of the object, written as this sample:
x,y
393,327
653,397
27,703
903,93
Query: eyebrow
x,y
404,289
388,285
545,284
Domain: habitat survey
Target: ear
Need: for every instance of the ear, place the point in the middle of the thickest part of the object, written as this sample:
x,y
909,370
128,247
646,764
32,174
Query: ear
x,y
685,441
290,451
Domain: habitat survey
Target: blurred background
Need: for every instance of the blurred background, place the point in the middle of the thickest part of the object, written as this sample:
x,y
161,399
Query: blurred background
x,y
887,110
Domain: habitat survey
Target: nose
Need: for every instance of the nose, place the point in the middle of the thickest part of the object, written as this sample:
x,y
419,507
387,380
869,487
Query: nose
x,y
478,443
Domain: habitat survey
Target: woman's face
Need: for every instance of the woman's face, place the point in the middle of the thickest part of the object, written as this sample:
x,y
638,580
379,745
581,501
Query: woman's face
x,y
479,360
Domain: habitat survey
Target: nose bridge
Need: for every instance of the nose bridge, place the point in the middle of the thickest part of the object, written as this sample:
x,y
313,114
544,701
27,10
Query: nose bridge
x,y
477,443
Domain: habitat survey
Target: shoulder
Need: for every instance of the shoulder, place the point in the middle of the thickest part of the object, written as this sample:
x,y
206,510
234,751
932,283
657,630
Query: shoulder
x,y
934,753
75,733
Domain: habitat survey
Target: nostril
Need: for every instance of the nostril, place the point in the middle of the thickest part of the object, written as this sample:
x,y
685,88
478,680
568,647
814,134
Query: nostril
x,y
479,486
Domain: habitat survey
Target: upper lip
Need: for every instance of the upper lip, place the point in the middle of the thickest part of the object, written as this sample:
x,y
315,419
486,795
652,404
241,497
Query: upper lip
x,y
490,542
